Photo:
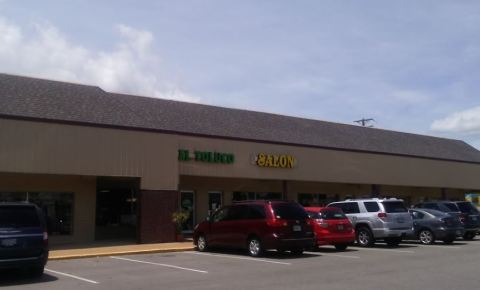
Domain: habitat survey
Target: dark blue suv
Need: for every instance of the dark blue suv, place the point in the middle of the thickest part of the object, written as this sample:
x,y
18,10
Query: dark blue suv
x,y
23,237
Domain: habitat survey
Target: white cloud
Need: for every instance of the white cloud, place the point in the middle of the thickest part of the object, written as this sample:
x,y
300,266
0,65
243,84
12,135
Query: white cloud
x,y
131,67
467,121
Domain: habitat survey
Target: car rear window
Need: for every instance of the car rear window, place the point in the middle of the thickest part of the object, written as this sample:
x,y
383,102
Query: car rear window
x,y
332,214
289,211
314,215
467,207
18,217
451,206
347,207
394,206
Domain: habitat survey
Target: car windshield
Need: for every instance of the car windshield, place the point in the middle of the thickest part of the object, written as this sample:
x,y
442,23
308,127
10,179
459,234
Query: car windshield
x,y
18,217
289,211
394,206
467,207
332,214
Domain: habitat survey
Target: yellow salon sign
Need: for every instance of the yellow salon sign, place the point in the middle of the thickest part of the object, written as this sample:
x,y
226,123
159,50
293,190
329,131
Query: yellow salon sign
x,y
275,161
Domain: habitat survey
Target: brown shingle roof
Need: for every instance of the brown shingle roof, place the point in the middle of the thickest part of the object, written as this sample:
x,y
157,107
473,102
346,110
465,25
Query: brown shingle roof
x,y
23,97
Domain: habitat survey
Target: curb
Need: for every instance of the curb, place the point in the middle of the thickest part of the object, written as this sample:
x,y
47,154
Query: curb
x,y
116,253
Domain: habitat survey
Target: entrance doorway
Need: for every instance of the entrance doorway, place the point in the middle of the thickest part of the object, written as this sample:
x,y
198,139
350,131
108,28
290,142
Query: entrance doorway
x,y
116,212
187,203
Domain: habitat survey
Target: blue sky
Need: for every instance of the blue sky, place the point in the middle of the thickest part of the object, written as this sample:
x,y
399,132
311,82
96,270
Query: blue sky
x,y
413,66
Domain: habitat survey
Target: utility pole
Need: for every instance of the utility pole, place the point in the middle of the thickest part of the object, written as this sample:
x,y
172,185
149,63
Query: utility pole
x,y
365,122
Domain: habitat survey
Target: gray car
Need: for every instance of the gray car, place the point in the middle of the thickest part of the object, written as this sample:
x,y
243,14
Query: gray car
x,y
430,225
377,219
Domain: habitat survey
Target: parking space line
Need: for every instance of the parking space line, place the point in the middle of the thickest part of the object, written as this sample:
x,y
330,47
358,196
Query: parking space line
x,y
159,264
239,258
333,255
72,276
438,246
384,250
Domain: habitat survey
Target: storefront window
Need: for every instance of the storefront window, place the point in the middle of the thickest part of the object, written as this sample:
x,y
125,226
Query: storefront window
x,y
239,196
57,206
313,199
187,203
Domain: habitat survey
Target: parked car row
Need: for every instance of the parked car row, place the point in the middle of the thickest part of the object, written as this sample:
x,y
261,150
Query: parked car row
x,y
287,226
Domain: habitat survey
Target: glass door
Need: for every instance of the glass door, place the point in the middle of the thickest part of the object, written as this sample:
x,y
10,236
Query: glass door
x,y
215,201
187,203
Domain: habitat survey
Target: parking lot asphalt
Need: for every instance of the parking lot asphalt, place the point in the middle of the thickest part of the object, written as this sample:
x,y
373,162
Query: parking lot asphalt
x,y
409,266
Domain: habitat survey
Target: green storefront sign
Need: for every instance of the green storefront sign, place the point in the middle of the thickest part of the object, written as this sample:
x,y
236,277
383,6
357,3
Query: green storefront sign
x,y
206,156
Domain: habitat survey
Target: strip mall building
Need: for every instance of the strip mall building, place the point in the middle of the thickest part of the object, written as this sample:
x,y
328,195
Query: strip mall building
x,y
111,166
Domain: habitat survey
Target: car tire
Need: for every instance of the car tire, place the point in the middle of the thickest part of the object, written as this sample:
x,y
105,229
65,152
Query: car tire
x,y
36,271
254,247
468,236
364,237
202,244
341,247
393,242
426,237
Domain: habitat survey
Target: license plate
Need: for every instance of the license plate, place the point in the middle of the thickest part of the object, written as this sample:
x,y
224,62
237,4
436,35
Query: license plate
x,y
9,242
340,227
297,228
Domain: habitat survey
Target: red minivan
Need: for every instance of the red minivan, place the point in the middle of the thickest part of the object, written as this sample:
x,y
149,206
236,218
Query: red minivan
x,y
331,226
257,226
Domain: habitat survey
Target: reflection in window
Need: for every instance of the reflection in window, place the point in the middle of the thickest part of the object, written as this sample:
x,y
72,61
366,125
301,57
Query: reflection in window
x,y
57,206
313,199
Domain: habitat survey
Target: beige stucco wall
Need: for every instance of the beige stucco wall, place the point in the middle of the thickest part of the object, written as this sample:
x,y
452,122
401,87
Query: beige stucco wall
x,y
330,166
47,148
83,188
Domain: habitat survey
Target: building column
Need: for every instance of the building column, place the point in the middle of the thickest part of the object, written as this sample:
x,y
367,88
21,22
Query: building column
x,y
155,216
284,190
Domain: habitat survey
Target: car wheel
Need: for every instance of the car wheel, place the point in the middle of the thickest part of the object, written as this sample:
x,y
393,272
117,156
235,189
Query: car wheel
x,y
469,236
37,271
341,247
364,237
297,252
254,247
202,245
393,242
426,237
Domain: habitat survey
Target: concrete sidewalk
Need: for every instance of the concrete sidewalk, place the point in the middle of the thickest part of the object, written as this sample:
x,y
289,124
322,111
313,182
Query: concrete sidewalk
x,y
92,251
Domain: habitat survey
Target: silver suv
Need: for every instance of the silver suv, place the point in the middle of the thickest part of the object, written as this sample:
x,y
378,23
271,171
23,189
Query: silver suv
x,y
377,219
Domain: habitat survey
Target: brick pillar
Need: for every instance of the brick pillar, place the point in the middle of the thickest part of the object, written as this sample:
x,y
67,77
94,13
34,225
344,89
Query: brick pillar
x,y
155,222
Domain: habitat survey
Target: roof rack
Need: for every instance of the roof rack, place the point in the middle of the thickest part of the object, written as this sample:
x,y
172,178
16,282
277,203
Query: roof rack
x,y
372,198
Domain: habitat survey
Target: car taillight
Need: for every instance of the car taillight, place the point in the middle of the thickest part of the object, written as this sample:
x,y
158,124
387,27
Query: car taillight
x,y
277,223
45,239
382,215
